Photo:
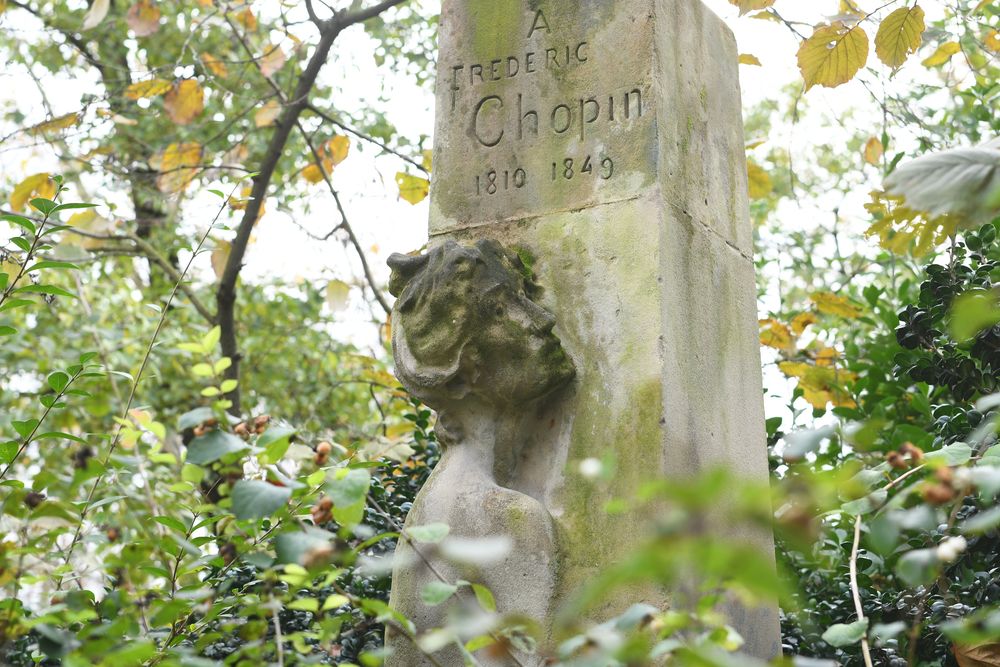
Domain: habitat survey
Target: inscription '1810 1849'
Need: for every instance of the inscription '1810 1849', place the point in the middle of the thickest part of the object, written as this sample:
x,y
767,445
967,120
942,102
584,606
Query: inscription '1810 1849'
x,y
543,117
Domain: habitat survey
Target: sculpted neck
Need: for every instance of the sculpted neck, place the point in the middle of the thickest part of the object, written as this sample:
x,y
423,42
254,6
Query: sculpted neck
x,y
479,432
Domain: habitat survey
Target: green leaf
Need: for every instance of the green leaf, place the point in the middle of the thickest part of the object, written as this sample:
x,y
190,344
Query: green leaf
x,y
348,487
845,634
485,597
334,602
431,533
7,331
15,303
8,450
974,312
275,441
195,417
211,339
48,264
51,290
293,547
918,567
172,523
58,381
20,221
46,206
71,206
954,454
24,428
982,522
437,592
253,499
213,446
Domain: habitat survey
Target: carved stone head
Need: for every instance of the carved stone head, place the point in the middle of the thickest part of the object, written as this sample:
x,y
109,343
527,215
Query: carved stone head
x,y
464,326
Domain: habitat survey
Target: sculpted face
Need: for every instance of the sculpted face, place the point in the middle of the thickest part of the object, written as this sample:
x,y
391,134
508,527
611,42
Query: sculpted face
x,y
465,325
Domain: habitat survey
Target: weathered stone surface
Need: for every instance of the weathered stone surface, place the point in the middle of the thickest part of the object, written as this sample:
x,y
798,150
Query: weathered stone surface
x,y
642,242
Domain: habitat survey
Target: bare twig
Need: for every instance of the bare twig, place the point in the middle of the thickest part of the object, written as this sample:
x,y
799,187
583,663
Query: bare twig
x,y
865,650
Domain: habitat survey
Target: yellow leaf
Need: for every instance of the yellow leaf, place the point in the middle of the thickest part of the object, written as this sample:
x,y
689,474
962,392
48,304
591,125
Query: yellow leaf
x,y
751,5
314,174
267,114
821,385
178,165
185,101
992,41
848,8
272,60
96,14
758,180
749,59
873,151
803,320
337,149
3,6
899,35
775,334
36,185
901,229
413,189
982,5
220,256
832,304
428,160
54,125
826,356
943,54
241,203
765,16
144,18
214,65
151,88
247,19
833,55
88,221
337,295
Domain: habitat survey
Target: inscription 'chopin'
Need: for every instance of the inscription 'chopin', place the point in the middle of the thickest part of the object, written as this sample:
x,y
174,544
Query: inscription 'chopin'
x,y
496,117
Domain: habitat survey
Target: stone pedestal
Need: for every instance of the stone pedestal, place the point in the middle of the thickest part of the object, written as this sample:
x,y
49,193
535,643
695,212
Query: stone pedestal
x,y
605,140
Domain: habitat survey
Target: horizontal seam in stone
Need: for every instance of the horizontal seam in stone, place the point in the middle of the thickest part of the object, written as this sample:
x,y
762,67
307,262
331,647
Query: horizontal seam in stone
x,y
526,218
715,233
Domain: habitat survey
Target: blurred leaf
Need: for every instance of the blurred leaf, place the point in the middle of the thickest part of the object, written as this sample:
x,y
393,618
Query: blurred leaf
x,y
185,101
98,10
143,89
144,18
942,54
253,499
212,446
841,634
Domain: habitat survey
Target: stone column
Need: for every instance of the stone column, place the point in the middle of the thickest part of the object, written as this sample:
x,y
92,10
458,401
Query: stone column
x,y
605,140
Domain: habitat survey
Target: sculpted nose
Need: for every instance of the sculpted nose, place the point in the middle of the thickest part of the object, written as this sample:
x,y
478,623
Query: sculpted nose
x,y
542,320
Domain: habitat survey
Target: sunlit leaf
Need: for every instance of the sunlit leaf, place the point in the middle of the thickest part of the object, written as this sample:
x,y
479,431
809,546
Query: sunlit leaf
x,y
337,149
178,165
758,181
992,41
98,10
36,185
413,189
54,125
899,35
833,304
220,256
749,59
801,321
337,295
751,5
833,55
185,101
873,151
776,334
144,89
942,54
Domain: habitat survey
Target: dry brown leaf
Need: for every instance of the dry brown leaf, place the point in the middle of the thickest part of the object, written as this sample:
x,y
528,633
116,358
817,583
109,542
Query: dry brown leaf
x,y
144,18
267,114
214,65
984,655
272,60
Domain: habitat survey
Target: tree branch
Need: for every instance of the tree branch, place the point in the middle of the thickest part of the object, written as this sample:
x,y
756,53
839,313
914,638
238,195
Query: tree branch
x,y
361,135
226,292
362,15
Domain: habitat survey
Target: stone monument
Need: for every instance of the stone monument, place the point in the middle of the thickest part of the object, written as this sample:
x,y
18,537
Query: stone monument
x,y
604,141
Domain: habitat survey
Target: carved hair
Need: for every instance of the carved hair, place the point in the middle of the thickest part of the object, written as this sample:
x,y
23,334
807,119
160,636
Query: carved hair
x,y
439,310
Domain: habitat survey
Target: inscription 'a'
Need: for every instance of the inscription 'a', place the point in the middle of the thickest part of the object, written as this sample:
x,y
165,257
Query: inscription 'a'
x,y
540,23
